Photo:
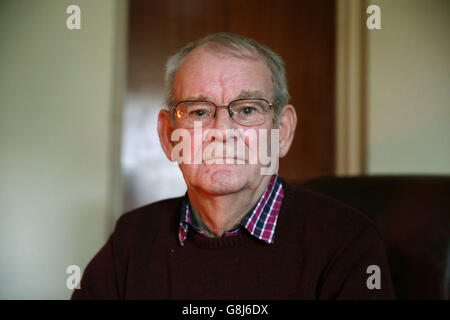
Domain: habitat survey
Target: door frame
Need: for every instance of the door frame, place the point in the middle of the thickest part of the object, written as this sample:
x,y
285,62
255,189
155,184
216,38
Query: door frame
x,y
351,92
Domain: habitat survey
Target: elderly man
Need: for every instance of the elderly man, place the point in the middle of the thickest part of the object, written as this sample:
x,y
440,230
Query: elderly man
x,y
240,232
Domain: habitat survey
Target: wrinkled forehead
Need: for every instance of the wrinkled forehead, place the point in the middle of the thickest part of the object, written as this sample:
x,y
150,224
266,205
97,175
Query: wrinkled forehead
x,y
221,77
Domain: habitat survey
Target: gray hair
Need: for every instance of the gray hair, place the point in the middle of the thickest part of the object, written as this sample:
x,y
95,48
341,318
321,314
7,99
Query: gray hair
x,y
240,47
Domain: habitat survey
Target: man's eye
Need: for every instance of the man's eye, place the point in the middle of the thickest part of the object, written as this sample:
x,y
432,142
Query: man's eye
x,y
198,113
248,110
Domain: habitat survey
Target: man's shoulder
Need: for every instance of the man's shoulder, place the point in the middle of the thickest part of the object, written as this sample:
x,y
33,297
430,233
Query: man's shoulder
x,y
326,215
149,216
337,244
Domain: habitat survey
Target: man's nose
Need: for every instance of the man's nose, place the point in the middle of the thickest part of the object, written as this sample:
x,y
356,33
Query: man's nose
x,y
223,119
222,122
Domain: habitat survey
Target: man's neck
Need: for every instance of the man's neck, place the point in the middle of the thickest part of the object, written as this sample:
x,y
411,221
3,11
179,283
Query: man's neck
x,y
200,223
221,213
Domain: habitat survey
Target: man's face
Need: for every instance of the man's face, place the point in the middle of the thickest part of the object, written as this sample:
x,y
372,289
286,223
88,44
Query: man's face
x,y
221,79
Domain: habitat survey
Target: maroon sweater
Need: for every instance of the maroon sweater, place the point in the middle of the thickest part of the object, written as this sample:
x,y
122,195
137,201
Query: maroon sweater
x,y
322,250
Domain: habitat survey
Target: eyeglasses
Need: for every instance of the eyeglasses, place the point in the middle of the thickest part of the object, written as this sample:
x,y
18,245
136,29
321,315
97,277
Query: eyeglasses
x,y
246,112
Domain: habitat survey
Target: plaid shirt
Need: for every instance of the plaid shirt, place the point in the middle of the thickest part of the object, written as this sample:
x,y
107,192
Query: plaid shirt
x,y
261,221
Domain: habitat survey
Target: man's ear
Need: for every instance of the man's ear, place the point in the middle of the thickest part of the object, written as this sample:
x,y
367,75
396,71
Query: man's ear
x,y
287,125
165,132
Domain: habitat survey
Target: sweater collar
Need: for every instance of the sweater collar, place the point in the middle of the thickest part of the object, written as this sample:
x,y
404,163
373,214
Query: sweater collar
x,y
260,221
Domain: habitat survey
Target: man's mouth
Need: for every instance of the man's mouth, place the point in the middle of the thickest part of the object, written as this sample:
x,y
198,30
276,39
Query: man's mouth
x,y
224,160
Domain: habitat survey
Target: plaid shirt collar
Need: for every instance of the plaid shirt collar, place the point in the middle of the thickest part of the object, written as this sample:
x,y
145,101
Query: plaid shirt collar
x,y
261,221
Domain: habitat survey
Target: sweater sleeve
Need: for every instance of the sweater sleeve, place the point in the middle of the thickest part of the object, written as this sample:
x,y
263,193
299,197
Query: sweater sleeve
x,y
99,277
105,275
359,270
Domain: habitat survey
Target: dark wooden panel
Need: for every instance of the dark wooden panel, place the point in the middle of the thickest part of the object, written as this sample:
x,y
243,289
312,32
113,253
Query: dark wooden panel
x,y
302,32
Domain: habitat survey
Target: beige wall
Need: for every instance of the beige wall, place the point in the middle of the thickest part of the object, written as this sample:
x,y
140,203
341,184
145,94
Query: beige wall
x,y
409,88
59,112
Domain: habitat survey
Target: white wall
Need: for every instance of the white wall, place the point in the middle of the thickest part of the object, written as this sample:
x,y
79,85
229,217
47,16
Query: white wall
x,y
59,116
409,88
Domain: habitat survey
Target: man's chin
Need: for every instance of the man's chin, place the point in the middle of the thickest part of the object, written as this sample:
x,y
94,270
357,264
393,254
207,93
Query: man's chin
x,y
223,179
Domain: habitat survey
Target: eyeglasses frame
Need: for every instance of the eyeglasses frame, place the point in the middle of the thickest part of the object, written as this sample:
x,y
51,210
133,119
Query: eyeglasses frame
x,y
226,106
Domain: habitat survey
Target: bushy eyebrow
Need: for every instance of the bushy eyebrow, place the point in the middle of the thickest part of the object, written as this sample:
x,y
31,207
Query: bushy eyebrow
x,y
198,97
244,94
250,94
